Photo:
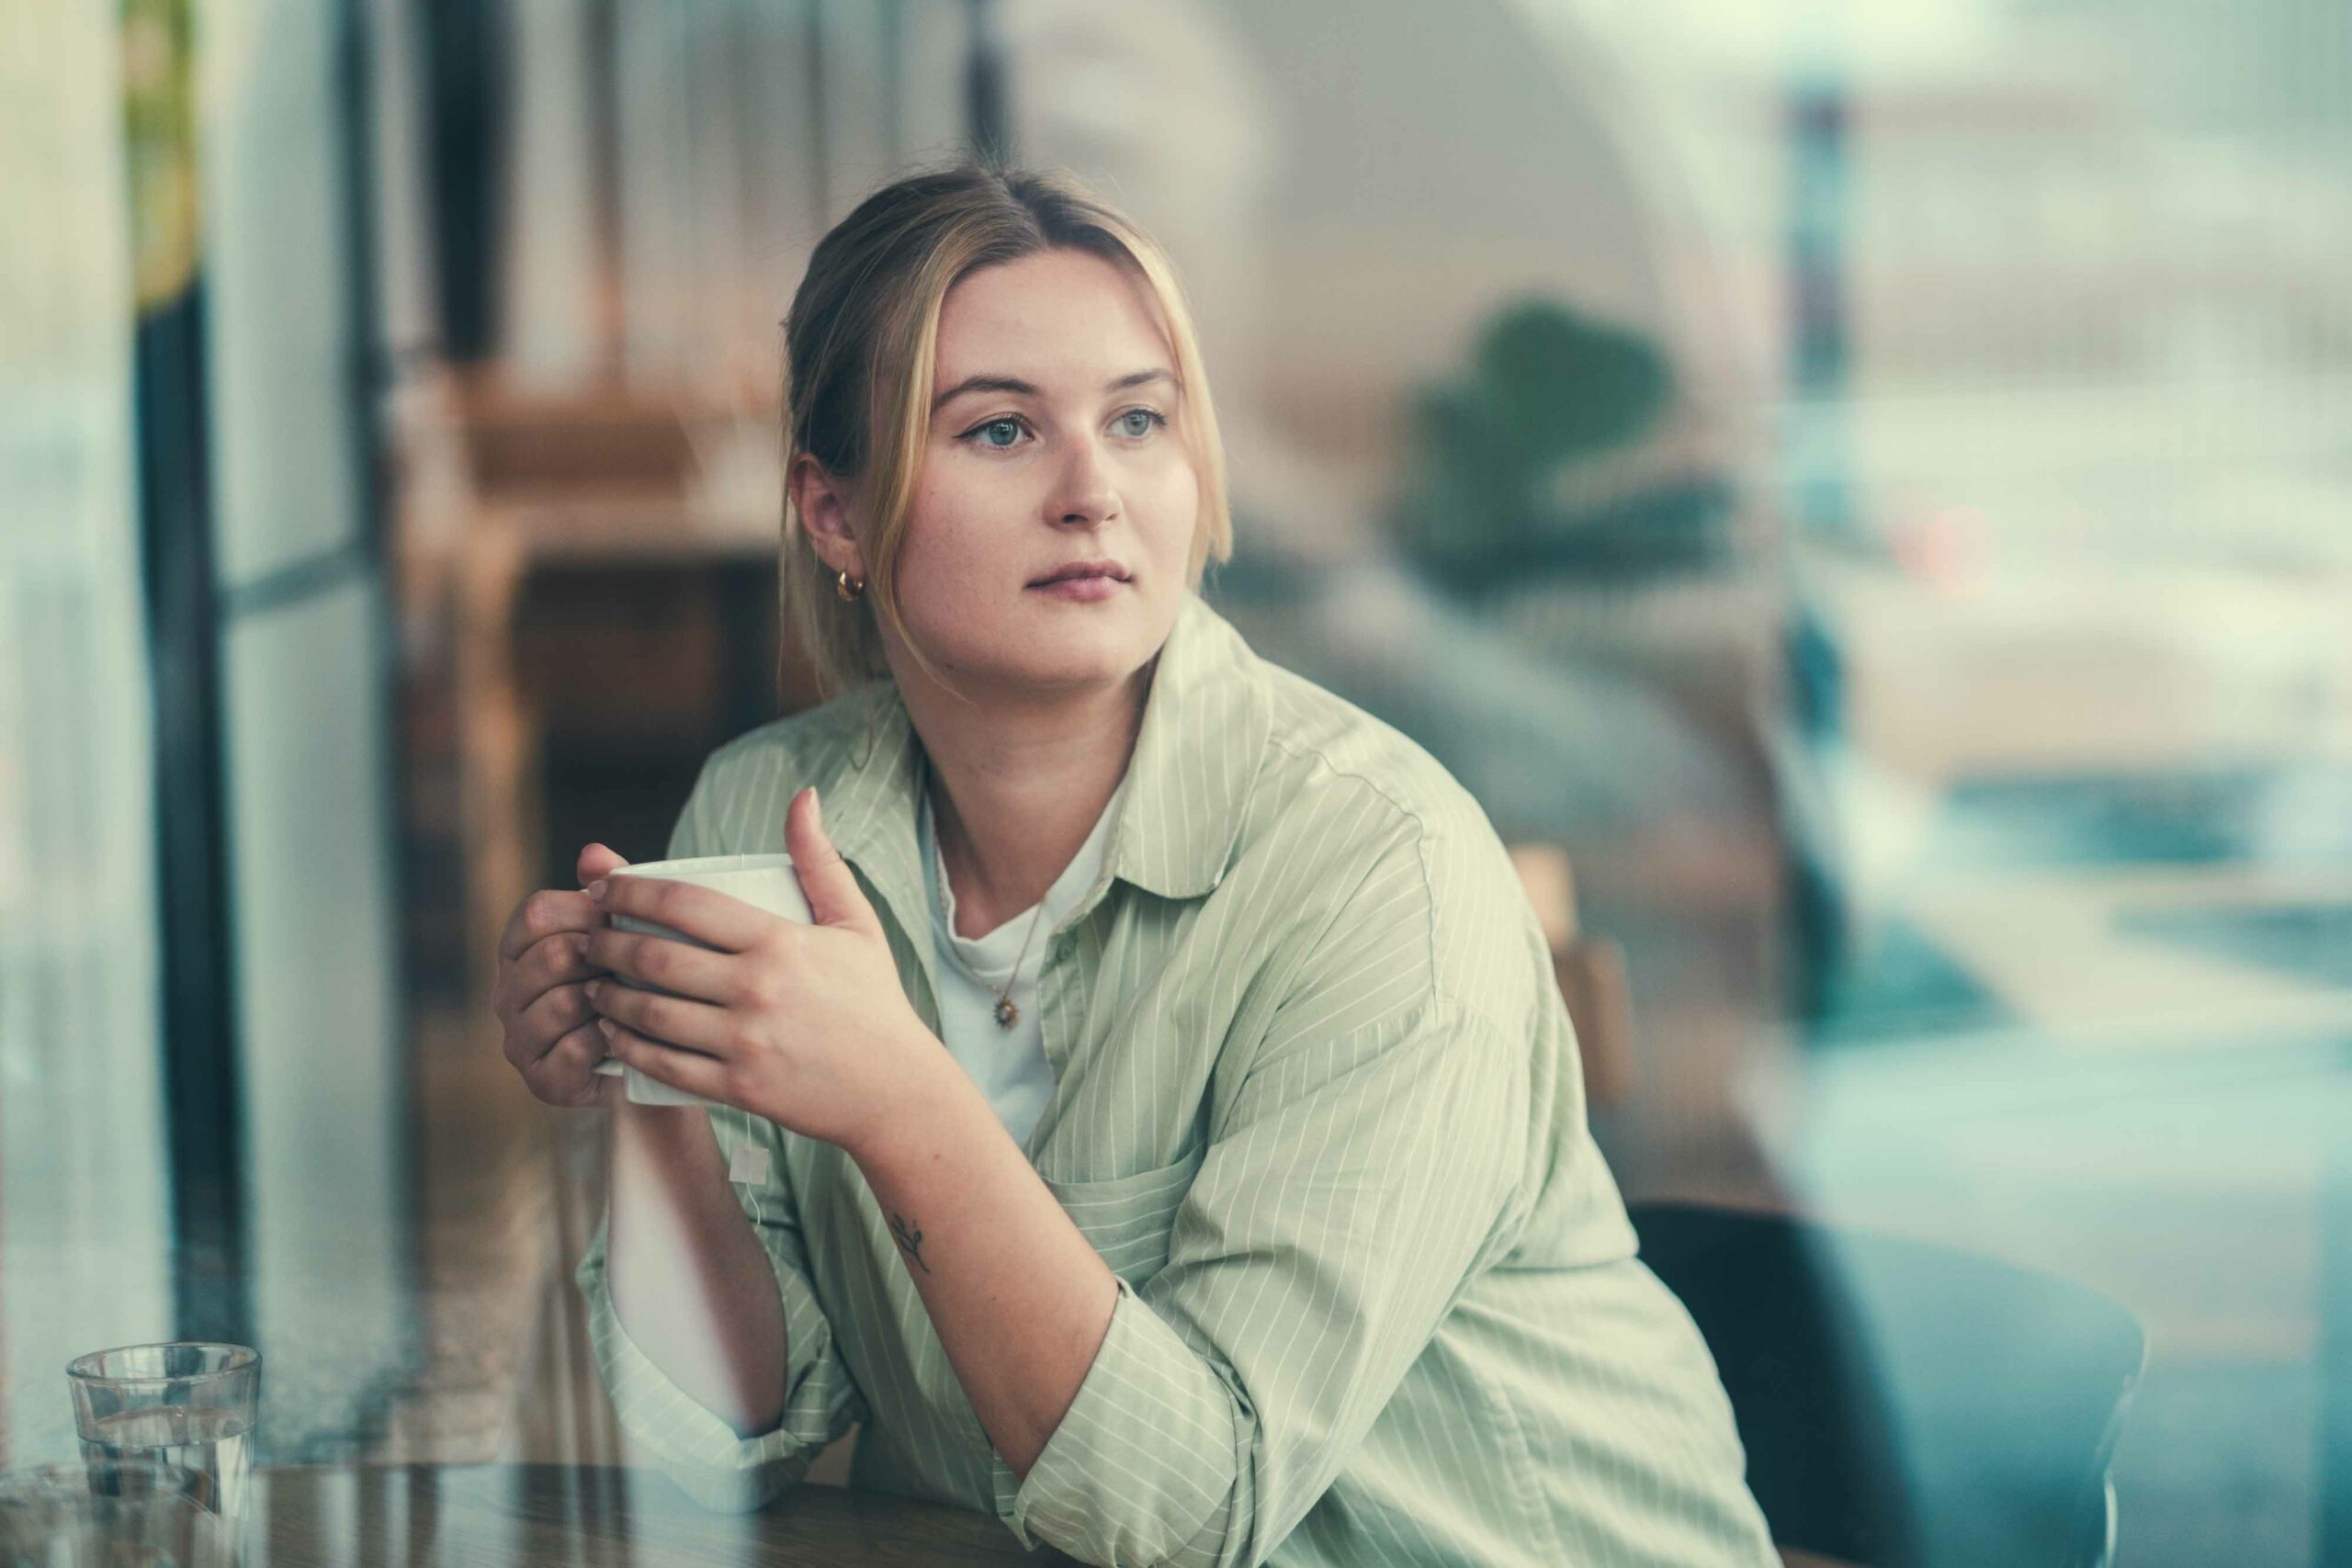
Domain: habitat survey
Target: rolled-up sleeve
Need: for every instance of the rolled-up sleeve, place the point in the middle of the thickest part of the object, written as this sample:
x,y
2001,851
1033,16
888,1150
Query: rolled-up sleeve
x,y
660,1421
1361,1175
685,1438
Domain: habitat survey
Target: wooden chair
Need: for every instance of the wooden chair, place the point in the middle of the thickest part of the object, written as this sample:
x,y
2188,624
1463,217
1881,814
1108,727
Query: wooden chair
x,y
506,489
1590,971
1903,1404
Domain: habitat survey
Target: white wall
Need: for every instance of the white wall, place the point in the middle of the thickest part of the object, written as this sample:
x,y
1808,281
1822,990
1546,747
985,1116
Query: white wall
x,y
84,1208
306,716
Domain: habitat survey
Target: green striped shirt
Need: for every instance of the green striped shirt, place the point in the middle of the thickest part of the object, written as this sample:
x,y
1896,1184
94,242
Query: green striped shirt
x,y
1317,1105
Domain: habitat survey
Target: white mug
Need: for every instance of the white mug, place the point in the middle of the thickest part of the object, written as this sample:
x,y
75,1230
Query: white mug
x,y
765,882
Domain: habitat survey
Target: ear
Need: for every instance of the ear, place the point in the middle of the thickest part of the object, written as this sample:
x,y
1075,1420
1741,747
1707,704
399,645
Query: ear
x,y
824,505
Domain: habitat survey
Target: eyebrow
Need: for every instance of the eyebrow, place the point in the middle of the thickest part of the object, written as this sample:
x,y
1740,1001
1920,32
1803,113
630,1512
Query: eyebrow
x,y
1015,385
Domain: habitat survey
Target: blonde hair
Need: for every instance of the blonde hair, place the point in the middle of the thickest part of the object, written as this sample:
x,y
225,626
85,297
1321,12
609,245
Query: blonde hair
x,y
860,349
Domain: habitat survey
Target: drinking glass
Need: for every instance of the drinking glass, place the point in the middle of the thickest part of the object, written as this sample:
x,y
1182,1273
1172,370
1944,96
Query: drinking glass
x,y
187,1405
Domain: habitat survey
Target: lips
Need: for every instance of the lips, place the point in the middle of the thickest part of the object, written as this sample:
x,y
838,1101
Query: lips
x,y
1082,570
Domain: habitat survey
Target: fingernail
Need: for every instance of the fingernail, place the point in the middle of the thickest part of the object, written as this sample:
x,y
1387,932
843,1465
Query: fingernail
x,y
597,890
606,1025
816,810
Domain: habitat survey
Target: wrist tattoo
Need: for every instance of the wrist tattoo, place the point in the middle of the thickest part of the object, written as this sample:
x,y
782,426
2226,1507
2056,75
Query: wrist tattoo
x,y
910,1240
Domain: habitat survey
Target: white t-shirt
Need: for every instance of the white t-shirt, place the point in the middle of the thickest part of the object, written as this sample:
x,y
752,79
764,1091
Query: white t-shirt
x,y
1009,1065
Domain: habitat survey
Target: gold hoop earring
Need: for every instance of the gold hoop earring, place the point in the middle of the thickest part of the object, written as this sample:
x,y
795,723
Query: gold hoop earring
x,y
842,586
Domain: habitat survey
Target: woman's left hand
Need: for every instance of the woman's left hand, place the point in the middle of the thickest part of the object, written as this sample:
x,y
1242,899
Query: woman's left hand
x,y
806,1025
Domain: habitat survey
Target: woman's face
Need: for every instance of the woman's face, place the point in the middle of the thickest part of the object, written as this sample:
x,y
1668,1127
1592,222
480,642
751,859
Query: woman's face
x,y
1054,438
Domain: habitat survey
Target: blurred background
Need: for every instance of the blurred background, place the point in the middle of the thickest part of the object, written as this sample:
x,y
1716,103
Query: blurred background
x,y
1859,492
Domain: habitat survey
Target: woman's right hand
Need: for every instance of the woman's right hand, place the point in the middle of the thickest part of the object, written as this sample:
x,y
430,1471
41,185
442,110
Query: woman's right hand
x,y
540,996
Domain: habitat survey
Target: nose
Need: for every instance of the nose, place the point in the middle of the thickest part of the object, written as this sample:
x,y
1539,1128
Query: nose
x,y
1084,494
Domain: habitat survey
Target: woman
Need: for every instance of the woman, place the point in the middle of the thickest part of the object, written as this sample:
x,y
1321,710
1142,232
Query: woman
x,y
1169,1136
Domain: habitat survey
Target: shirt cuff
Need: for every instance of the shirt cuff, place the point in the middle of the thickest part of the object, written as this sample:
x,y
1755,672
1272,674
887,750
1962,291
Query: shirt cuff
x,y
1144,1459
702,1453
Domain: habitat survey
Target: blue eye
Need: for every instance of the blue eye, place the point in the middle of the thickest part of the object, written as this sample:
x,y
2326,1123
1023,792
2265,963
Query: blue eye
x,y
1136,424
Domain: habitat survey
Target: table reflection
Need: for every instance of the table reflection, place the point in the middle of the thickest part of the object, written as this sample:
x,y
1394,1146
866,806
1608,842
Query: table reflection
x,y
366,1514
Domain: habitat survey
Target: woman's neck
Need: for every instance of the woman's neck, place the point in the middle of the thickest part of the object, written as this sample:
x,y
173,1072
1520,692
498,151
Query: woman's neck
x,y
1013,796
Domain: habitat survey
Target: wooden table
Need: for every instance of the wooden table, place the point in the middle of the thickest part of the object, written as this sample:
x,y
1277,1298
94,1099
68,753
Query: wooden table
x,y
499,1514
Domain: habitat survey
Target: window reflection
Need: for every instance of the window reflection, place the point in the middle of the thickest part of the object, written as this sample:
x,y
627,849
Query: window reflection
x,y
1855,494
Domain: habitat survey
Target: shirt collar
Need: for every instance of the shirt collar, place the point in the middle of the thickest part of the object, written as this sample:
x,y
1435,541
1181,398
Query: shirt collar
x,y
1204,726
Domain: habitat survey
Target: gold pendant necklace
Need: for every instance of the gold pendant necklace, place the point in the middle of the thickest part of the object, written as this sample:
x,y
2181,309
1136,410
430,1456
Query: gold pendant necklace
x,y
1007,1014
1008,1011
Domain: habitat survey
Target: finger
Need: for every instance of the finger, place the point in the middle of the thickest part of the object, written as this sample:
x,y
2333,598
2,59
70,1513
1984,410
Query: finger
x,y
597,861
552,961
696,1026
687,1070
672,967
705,914
826,881
549,962
543,914
567,1074
546,1022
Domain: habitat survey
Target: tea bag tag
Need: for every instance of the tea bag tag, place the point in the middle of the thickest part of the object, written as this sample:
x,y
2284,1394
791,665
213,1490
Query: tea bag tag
x,y
749,1164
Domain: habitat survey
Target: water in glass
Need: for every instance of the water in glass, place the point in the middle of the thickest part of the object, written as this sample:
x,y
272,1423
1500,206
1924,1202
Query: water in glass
x,y
215,1444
